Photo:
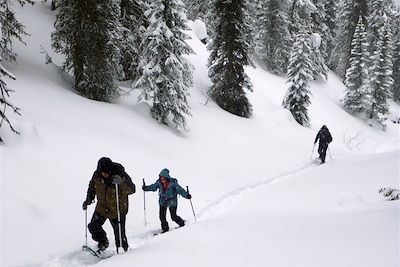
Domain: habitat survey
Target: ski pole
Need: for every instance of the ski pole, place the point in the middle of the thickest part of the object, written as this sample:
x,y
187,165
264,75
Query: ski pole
x,y
144,204
119,218
312,151
191,204
86,227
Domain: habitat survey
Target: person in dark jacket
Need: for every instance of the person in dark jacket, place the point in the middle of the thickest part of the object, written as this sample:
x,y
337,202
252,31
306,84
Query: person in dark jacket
x,y
103,186
324,137
168,191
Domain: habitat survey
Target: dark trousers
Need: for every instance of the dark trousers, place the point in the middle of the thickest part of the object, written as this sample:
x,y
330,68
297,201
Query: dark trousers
x,y
174,217
322,151
98,234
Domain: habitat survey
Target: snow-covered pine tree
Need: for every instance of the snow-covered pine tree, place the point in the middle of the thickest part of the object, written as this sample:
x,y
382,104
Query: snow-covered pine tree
x,y
4,99
330,8
301,67
350,11
166,76
133,24
381,41
10,28
396,58
68,37
272,38
88,34
357,96
319,39
300,72
198,9
380,72
229,54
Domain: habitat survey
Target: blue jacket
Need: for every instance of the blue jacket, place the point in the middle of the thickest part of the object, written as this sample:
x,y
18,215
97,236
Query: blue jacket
x,y
168,196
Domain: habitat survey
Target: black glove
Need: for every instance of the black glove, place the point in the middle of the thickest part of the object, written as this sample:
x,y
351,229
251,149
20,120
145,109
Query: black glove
x,y
86,203
117,179
189,196
143,187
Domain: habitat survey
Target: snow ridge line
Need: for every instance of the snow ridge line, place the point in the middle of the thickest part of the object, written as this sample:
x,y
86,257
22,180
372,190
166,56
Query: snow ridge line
x,y
228,200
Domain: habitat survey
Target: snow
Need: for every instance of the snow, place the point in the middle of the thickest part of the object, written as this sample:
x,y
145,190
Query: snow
x,y
315,40
200,29
259,198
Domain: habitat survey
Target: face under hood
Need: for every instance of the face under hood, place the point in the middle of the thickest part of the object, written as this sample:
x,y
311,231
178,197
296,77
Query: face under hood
x,y
165,173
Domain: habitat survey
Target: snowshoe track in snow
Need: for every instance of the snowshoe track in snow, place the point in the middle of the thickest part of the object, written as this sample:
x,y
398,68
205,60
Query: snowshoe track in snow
x,y
227,201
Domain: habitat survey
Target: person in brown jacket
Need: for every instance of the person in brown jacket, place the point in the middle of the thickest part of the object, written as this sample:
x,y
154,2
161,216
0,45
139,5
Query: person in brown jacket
x,y
103,186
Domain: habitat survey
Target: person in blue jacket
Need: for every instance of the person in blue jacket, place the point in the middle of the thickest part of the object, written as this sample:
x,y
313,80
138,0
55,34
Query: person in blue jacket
x,y
168,191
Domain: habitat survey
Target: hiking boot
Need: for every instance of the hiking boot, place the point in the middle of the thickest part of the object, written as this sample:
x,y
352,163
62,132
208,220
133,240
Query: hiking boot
x,y
165,230
103,245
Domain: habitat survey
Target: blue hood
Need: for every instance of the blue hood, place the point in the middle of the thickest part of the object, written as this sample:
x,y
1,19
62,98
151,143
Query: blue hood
x,y
165,173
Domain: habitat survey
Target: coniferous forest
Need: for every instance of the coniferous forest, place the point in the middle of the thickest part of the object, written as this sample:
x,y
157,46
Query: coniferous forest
x,y
143,42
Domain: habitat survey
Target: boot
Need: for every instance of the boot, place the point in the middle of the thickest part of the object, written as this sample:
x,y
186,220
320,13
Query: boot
x,y
103,245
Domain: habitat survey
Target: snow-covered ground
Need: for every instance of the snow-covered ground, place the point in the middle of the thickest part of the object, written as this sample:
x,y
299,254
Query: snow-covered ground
x,y
259,198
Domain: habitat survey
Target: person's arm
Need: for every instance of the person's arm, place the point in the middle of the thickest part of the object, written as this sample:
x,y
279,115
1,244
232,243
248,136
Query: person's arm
x,y
129,182
316,138
91,193
119,170
181,191
152,187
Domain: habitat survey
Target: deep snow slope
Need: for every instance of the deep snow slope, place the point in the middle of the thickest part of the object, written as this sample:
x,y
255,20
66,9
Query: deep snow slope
x,y
45,170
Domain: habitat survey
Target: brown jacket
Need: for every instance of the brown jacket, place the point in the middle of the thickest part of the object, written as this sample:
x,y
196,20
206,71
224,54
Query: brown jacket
x,y
104,190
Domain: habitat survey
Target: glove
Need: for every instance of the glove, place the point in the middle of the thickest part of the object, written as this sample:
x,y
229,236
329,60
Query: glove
x,y
143,187
117,179
189,196
86,203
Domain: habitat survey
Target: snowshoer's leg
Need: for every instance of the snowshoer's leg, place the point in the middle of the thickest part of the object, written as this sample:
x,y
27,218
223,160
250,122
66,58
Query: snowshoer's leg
x,y
320,148
96,229
163,219
175,217
323,152
114,224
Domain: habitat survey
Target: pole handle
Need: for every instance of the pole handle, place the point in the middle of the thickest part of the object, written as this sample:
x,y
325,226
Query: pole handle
x,y
187,189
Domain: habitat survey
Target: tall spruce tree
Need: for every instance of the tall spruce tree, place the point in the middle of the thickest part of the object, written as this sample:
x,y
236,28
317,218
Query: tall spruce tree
x,y
396,58
166,76
134,24
88,33
350,11
229,54
300,70
319,44
300,75
357,97
381,66
273,39
198,9
330,9
10,29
